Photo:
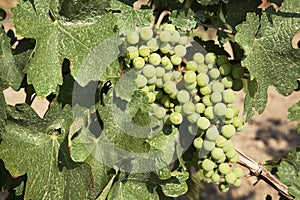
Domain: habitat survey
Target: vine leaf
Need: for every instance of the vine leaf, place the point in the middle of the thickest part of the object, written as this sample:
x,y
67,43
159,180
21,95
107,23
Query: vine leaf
x,y
268,48
129,18
184,19
42,154
289,173
62,34
177,185
294,114
211,2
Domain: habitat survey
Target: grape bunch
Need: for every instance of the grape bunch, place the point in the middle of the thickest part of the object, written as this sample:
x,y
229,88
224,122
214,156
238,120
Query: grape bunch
x,y
183,84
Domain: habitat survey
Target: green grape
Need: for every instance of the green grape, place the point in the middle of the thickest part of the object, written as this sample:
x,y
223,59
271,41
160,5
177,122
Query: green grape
x,y
227,121
191,66
177,76
227,82
138,63
133,52
199,108
149,71
154,59
159,72
225,69
168,77
188,108
170,87
231,153
132,38
238,172
223,187
152,80
178,108
228,131
153,44
235,158
214,73
180,50
207,165
176,118
146,33
202,79
193,118
235,109
145,89
209,113
237,121
240,128
183,40
221,141
176,60
237,183
206,90
196,97
189,77
165,36
202,68
237,73
222,160
217,153
229,113
237,85
228,146
190,86
151,97
230,178
224,168
203,123
222,60
169,27
206,100
212,133
144,51
198,58
151,87
183,96
159,112
210,58
141,81
165,47
229,96
175,37
208,174
215,178
220,109
198,142
208,145
216,86
216,97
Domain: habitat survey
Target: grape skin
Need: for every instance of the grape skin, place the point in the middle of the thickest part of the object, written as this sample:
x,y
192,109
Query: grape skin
x,y
198,57
198,142
217,153
183,96
230,178
180,50
202,79
228,131
212,133
144,51
229,96
203,123
199,108
159,112
148,71
154,59
220,109
190,77
176,118
227,82
188,108
216,97
208,145
138,63
141,81
207,165
165,36
224,168
210,58
146,33
132,38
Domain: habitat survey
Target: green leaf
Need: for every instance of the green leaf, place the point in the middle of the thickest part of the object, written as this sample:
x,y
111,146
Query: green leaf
x,y
91,44
294,114
183,19
289,172
42,154
129,18
125,87
176,185
268,48
10,71
210,2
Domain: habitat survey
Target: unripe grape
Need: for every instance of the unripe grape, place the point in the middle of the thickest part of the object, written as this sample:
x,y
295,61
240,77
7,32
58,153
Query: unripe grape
x,y
178,108
198,142
159,112
229,113
209,113
237,121
229,96
132,38
145,89
223,187
228,131
231,153
240,128
141,81
221,141
183,40
193,118
237,85
227,82
224,168
202,79
220,109
203,153
168,77
154,59
138,63
235,158
152,44
195,96
188,108
144,51
208,174
228,146
151,87
235,109
210,58
222,60
151,97
189,77
169,87
180,50
152,80
133,52
214,73
237,183
217,153
146,33
215,178
165,36
202,68
191,66
221,160
199,108
176,60
175,118
169,27
237,73
225,69
149,71
207,100
159,72
212,133
165,47
206,90
230,178
238,172
216,97
203,123
176,76
208,145
198,57
210,66
175,37
183,96
207,165
216,86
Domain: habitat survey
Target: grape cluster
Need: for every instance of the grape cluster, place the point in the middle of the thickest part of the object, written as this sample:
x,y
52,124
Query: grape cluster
x,y
183,84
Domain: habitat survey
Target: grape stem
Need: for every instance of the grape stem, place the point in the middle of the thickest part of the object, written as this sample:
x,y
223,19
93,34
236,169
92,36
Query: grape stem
x,y
219,29
161,17
261,172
